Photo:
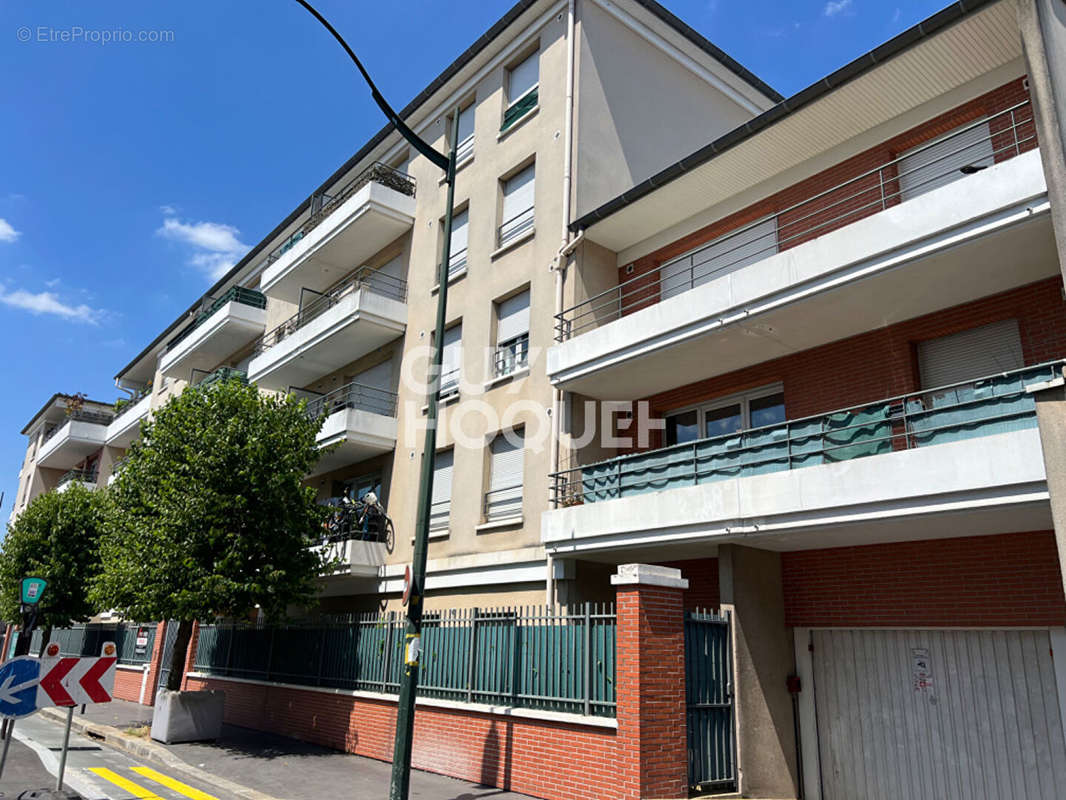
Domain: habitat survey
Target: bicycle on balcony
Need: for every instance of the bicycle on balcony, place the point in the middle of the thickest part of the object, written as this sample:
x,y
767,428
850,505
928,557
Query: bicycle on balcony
x,y
361,518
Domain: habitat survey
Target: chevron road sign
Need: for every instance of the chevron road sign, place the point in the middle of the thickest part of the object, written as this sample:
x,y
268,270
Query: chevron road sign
x,y
28,684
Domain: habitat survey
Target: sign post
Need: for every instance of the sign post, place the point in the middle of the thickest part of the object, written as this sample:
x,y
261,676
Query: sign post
x,y
30,594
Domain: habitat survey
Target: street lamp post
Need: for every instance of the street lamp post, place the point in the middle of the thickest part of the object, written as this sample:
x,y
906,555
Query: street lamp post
x,y
405,717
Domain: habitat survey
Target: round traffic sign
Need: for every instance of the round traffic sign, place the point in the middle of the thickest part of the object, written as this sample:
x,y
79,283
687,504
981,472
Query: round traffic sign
x,y
406,584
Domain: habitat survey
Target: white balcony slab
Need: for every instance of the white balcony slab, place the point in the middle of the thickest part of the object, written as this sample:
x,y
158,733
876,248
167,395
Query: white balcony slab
x,y
354,435
988,484
940,249
354,558
231,328
127,425
359,323
362,225
84,484
71,444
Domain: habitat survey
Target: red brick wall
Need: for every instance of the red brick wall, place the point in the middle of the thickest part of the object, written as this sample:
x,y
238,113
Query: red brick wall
x,y
702,577
882,363
128,684
540,758
812,219
981,581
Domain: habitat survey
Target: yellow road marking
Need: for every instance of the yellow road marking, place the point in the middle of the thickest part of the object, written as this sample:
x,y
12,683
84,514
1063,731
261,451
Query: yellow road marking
x,y
135,789
170,783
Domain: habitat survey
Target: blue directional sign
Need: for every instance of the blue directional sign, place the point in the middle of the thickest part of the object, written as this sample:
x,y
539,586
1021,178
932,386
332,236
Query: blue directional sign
x,y
18,686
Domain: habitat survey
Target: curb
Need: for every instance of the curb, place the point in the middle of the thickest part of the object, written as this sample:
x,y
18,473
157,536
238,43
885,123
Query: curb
x,y
150,751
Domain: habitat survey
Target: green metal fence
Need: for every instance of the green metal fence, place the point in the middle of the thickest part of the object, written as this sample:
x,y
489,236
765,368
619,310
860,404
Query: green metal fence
x,y
558,660
86,640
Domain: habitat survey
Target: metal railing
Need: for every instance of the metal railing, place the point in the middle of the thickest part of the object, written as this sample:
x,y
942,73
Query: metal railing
x,y
465,150
130,402
377,173
552,659
352,395
510,356
1011,132
456,262
995,404
372,280
80,475
514,227
236,294
81,415
503,503
440,514
88,639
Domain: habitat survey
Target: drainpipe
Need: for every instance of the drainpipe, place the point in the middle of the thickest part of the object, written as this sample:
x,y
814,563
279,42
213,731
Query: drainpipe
x,y
559,264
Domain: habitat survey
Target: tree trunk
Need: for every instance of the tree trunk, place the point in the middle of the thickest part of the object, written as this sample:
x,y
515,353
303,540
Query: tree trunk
x,y
46,637
177,658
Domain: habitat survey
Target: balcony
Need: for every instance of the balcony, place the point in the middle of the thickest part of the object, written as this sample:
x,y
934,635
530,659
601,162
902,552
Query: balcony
x,y
203,379
224,326
364,311
85,477
884,470
360,422
354,549
74,439
126,425
836,264
349,227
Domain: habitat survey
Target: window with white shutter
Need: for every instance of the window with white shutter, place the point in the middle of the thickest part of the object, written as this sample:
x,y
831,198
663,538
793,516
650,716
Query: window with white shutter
x,y
451,363
522,90
460,237
512,334
726,254
504,497
968,355
441,506
932,165
465,149
518,200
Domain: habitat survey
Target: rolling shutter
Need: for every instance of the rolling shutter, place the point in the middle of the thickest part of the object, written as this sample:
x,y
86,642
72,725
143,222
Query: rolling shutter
x,y
971,354
379,377
440,511
466,134
522,78
394,268
504,499
922,170
719,258
518,200
451,358
460,237
513,317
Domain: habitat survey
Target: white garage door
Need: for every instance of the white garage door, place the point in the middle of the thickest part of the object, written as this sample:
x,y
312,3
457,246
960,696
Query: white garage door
x,y
966,715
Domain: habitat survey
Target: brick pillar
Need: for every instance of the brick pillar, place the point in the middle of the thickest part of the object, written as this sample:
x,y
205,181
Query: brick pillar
x,y
155,662
190,655
7,642
650,683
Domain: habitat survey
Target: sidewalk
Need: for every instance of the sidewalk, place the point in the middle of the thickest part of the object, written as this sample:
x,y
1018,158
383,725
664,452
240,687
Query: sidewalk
x,y
289,769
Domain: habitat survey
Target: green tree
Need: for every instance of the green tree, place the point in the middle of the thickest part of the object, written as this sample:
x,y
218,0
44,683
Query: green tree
x,y
56,538
209,514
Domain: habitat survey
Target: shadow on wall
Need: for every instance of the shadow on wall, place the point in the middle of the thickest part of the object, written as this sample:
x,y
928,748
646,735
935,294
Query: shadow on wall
x,y
496,760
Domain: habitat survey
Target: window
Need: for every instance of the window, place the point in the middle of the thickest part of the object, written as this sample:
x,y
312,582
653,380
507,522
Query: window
x,y
503,500
522,85
932,165
727,415
465,148
451,363
460,237
512,334
518,197
441,506
971,354
722,256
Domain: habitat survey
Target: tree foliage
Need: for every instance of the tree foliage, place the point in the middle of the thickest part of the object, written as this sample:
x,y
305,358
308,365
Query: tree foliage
x,y
56,538
209,514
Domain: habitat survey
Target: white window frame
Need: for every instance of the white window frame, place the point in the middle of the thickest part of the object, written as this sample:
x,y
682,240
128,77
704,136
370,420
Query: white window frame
x,y
513,505
511,99
457,259
517,226
451,378
742,398
464,149
440,521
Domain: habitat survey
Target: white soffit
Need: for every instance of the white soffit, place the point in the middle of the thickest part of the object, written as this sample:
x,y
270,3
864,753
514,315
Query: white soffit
x,y
962,53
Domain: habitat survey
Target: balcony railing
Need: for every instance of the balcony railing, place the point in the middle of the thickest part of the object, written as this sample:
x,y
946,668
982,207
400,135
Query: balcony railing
x,y
129,403
510,356
996,404
514,227
378,173
373,280
236,294
80,475
81,415
203,379
503,504
353,395
1010,133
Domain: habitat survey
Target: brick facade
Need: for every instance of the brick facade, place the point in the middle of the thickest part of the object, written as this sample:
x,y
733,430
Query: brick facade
x,y
702,577
1005,580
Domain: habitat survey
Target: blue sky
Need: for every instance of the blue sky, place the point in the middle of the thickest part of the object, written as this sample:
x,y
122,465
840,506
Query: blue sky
x,y
134,173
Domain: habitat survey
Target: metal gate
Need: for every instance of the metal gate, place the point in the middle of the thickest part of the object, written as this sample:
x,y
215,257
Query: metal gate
x,y
168,653
712,755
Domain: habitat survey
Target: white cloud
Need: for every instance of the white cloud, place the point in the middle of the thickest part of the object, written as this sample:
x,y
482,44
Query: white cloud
x,y
7,233
52,283
48,303
216,246
834,7
169,211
